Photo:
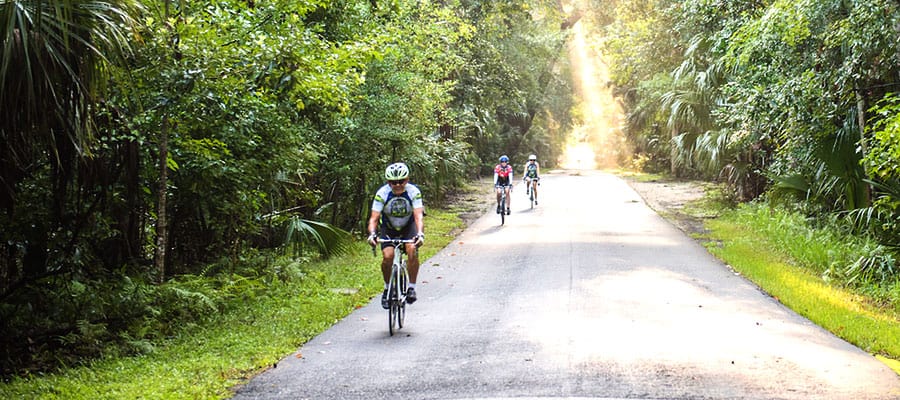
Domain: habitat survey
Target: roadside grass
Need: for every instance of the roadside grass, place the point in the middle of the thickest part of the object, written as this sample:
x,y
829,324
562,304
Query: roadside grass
x,y
791,262
208,361
638,176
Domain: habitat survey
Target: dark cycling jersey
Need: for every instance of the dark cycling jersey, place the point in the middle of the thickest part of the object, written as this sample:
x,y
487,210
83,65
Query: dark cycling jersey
x,y
503,174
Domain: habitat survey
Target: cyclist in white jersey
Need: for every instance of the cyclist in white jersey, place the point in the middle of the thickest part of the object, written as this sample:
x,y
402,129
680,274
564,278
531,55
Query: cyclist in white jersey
x,y
532,172
399,208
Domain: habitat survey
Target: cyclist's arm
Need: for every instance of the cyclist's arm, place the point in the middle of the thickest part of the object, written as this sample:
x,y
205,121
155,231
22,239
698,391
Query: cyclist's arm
x,y
538,170
418,213
496,177
373,221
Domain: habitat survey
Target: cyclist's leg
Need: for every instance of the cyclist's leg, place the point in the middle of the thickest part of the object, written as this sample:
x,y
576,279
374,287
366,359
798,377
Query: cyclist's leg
x,y
498,189
387,252
508,197
534,185
412,263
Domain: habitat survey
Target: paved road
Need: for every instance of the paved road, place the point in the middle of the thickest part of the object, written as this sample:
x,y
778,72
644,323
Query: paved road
x,y
599,298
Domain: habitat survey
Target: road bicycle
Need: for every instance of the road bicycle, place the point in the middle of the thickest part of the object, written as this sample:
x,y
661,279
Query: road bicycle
x,y
398,284
530,185
502,203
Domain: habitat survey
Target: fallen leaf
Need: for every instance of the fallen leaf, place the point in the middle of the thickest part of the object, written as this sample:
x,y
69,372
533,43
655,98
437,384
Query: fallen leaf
x,y
299,355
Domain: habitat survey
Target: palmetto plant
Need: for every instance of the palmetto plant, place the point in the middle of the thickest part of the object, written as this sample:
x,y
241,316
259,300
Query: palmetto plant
x,y
697,142
54,54
328,239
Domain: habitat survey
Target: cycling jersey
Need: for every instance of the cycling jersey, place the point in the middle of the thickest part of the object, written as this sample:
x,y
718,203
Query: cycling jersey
x,y
531,170
397,210
502,176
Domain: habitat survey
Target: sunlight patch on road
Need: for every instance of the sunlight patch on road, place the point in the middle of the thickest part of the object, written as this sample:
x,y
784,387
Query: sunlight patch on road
x,y
649,316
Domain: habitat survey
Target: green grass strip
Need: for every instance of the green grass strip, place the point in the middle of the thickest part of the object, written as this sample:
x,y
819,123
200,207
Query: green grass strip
x,y
848,315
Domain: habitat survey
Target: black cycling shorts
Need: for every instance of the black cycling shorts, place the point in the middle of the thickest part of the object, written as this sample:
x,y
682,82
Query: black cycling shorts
x,y
409,232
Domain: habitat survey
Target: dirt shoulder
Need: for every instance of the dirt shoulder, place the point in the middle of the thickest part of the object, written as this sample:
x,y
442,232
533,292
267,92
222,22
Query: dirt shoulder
x,y
471,202
669,197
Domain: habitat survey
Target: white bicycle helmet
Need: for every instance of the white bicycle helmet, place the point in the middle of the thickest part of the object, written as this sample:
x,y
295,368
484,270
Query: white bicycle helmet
x,y
532,157
396,171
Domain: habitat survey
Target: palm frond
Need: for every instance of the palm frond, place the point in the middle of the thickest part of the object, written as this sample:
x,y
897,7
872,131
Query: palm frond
x,y
328,239
52,55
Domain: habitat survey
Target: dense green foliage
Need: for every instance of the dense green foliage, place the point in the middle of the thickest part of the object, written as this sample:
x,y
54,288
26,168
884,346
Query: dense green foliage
x,y
784,100
148,147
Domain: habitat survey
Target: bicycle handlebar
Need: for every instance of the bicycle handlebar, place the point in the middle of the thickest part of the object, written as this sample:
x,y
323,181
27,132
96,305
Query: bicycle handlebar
x,y
395,242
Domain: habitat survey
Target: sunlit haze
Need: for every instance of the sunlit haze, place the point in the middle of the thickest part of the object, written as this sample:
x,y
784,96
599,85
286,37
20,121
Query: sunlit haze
x,y
596,140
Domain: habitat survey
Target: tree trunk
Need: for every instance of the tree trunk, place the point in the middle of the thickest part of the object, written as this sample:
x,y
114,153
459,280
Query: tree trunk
x,y
672,152
861,120
161,220
863,145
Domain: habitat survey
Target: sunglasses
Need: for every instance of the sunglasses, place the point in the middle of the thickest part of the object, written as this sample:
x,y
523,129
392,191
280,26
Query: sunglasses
x,y
397,182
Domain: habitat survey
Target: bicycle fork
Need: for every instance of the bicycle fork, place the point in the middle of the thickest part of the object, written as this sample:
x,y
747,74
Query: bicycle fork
x,y
396,292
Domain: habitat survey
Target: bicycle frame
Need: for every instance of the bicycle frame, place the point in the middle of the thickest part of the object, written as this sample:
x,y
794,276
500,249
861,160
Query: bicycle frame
x,y
531,185
397,284
503,202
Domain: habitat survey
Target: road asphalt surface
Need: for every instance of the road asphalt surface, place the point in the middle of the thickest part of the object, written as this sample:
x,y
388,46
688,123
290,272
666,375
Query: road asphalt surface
x,y
590,295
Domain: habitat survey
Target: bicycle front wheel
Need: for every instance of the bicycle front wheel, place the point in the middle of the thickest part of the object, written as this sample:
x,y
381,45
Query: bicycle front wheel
x,y
392,315
393,300
404,284
503,209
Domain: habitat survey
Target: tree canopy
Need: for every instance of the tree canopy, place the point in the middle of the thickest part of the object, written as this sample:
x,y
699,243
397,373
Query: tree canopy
x,y
145,142
789,101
